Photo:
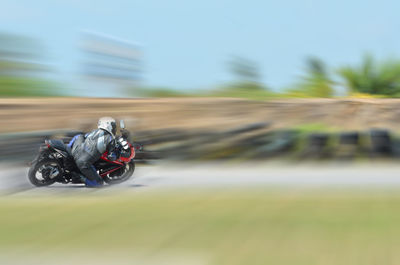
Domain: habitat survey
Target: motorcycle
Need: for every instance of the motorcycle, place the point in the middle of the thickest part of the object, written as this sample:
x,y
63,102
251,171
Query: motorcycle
x,y
55,163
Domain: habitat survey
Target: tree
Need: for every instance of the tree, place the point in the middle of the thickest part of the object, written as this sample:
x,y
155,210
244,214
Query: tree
x,y
371,78
20,68
246,72
316,82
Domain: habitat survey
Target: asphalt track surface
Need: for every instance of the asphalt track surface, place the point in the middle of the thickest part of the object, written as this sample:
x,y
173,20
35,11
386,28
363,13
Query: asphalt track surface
x,y
172,175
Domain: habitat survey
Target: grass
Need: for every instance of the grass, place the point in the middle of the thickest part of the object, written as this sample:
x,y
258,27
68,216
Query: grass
x,y
307,128
227,227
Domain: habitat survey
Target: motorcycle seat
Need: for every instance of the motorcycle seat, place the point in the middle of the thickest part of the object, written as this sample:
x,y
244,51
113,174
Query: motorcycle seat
x,y
59,145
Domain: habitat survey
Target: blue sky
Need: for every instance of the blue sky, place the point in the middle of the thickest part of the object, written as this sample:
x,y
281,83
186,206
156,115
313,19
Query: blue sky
x,y
186,44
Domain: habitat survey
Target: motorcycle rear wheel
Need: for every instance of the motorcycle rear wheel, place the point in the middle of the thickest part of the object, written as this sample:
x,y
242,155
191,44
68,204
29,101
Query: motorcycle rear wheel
x,y
39,173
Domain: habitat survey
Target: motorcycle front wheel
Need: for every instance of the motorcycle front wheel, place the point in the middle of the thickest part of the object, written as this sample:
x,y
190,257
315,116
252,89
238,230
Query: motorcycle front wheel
x,y
44,172
120,175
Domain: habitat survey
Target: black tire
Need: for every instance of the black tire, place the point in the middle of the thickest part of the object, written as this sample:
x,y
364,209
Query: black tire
x,y
36,169
126,174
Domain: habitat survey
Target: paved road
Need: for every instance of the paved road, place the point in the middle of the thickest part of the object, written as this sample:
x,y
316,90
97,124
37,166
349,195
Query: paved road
x,y
13,179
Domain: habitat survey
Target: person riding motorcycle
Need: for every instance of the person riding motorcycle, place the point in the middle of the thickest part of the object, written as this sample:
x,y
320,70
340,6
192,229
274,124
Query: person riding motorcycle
x,y
87,149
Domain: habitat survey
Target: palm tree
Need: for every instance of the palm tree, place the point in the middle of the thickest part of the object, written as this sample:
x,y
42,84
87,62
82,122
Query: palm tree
x,y
371,78
316,82
246,72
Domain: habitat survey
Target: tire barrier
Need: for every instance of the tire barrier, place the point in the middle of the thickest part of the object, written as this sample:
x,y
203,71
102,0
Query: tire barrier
x,y
249,142
22,146
381,143
317,146
349,145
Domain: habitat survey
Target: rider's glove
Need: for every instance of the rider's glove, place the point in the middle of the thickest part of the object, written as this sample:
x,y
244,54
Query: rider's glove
x,y
123,143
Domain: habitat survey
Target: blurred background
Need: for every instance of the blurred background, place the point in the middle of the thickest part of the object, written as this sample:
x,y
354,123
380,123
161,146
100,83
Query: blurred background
x,y
230,98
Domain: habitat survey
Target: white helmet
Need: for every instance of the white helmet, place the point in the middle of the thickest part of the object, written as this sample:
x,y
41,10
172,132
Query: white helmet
x,y
108,124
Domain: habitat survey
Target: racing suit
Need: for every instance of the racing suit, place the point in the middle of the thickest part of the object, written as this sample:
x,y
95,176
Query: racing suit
x,y
88,149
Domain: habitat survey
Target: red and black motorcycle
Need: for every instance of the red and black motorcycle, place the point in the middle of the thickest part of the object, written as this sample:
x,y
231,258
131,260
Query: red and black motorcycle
x,y
54,163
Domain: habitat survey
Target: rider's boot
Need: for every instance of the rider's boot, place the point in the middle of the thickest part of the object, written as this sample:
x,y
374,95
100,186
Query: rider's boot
x,y
92,183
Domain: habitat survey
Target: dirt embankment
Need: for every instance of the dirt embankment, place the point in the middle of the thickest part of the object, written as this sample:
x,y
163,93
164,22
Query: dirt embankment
x,y
197,113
